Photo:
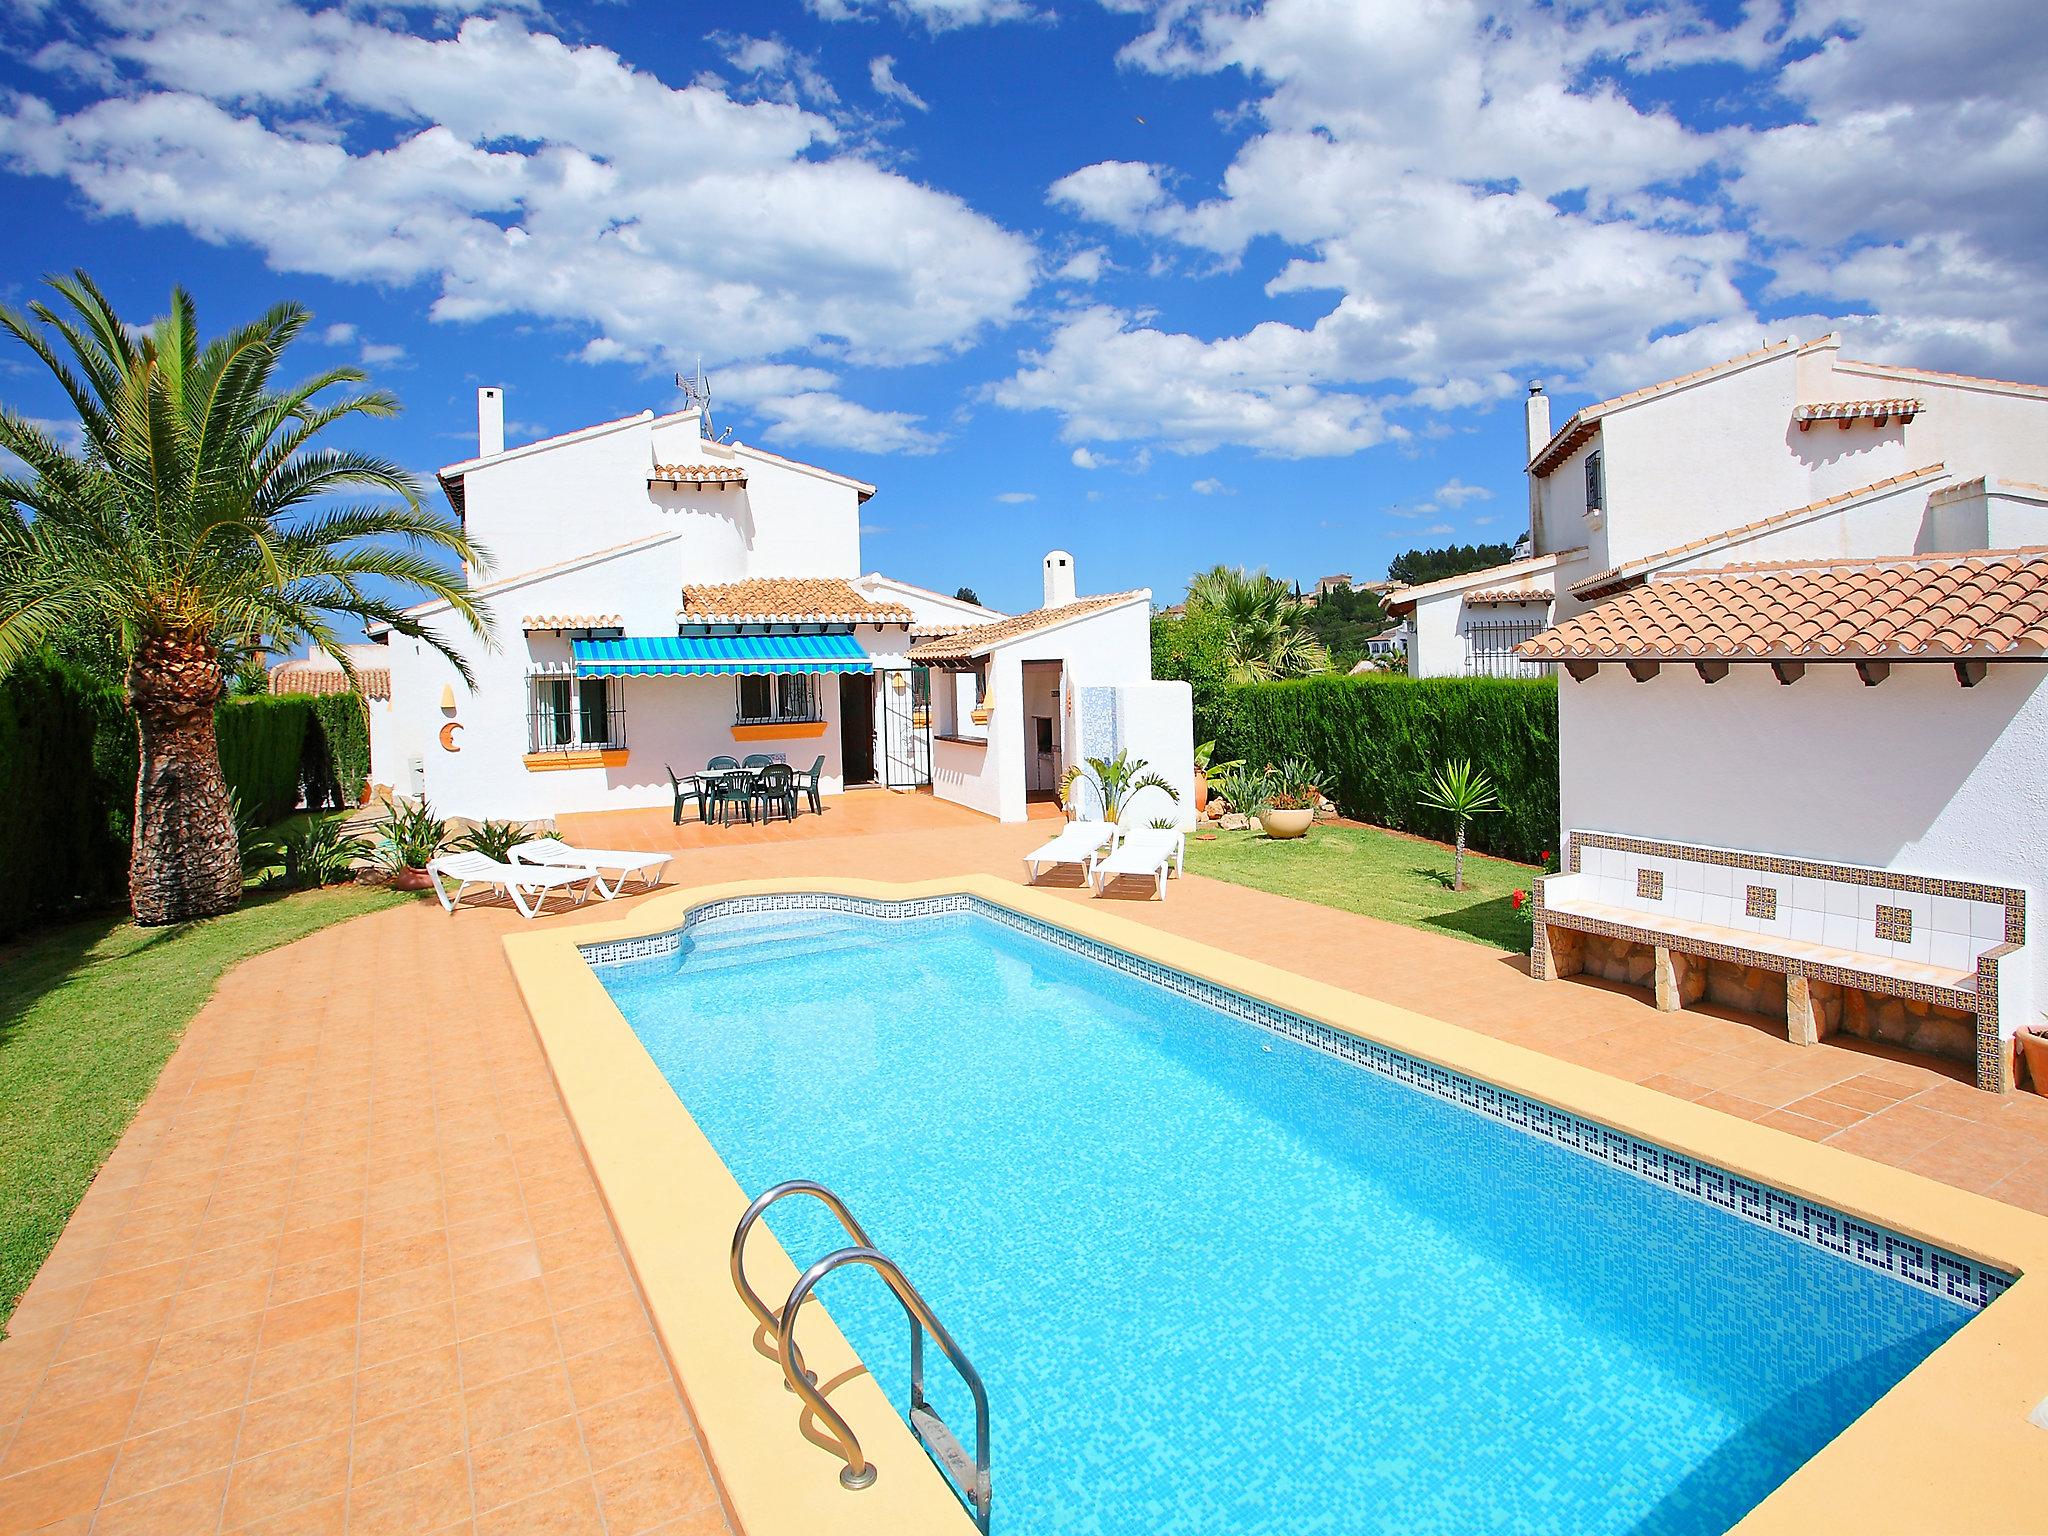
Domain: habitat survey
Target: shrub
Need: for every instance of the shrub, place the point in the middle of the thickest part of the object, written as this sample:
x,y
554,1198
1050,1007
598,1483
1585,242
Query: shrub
x,y
494,839
345,733
410,835
63,821
262,745
320,853
1377,740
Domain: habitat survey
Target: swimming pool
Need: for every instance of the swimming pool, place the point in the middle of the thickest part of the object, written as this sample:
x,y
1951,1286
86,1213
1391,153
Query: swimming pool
x,y
1220,1280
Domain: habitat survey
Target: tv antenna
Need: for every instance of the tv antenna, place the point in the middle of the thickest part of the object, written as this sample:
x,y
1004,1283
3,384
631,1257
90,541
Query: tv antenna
x,y
696,390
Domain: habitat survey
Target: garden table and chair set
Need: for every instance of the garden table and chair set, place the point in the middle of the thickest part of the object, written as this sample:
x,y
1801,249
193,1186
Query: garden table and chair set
x,y
760,787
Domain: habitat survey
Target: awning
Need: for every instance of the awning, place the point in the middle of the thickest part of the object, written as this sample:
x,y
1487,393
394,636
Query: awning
x,y
718,655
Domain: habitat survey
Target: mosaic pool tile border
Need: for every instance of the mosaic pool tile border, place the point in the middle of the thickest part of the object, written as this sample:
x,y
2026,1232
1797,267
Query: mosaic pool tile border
x,y
1925,1265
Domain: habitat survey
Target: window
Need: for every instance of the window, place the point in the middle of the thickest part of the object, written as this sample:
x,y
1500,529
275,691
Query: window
x,y
568,714
1596,482
768,700
1490,648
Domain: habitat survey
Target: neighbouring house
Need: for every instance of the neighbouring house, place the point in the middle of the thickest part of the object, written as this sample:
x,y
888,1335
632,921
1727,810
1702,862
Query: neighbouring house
x,y
321,673
1800,610
660,598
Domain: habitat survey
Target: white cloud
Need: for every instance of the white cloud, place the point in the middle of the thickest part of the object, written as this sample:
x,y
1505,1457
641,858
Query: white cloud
x,y
937,15
339,334
1455,492
1085,459
774,71
828,420
377,353
520,175
746,383
1213,487
1084,266
1437,529
1016,498
882,76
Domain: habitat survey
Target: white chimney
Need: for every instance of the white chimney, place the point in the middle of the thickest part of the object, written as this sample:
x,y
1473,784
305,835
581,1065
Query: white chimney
x,y
1536,412
490,422
1059,578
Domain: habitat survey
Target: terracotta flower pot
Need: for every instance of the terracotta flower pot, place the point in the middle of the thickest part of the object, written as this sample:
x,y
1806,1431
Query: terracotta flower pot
x,y
411,880
2033,1051
1285,824
1201,794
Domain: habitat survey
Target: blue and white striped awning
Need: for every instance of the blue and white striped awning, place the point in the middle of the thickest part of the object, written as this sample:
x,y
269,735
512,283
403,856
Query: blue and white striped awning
x,y
718,655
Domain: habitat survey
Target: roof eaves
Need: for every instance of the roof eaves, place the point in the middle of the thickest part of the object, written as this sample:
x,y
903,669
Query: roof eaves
x,y
541,445
1579,427
1405,600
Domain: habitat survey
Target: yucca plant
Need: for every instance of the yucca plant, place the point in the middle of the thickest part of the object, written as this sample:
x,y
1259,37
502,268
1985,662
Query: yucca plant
x,y
1461,793
1247,791
1116,782
410,835
194,516
494,839
321,853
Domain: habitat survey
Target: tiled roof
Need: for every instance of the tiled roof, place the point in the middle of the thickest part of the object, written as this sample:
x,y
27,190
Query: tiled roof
x,y
1580,428
308,676
1928,606
1859,410
1402,600
540,621
980,639
698,474
1899,371
1615,578
787,600
1510,595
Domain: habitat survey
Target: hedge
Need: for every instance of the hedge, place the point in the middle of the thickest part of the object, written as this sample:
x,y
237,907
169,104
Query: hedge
x,y
1379,739
67,778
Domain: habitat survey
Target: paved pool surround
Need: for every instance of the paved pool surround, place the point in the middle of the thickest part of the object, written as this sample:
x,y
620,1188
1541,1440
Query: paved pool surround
x,y
1949,1448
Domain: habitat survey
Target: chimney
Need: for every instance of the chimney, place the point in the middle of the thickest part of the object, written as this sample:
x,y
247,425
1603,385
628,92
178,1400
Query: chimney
x,y
490,422
1059,578
1536,412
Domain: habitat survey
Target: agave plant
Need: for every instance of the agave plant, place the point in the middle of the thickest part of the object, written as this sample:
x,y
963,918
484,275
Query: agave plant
x,y
322,853
1247,791
1461,793
494,839
410,835
1295,785
1116,782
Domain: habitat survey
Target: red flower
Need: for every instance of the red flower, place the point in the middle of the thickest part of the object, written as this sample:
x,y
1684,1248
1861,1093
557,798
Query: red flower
x,y
1518,898
1543,857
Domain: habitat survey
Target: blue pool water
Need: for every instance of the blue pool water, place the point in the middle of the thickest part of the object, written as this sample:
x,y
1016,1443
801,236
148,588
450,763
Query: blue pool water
x,y
1221,1282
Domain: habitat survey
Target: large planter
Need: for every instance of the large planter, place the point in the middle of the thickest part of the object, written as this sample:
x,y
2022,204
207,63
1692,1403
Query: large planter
x,y
2033,1051
409,879
1201,795
1285,824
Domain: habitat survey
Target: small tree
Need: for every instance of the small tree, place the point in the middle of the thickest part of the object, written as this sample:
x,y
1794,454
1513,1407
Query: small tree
x,y
966,595
1117,781
1461,793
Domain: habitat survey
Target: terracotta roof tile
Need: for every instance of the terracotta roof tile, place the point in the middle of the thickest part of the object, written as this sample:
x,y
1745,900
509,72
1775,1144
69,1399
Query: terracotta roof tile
x,y
1580,427
980,639
699,474
543,621
1615,578
1859,410
1931,606
787,600
1510,595
304,676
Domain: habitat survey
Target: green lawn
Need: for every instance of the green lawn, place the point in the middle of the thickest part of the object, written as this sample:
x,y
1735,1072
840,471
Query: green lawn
x,y
1377,873
89,1013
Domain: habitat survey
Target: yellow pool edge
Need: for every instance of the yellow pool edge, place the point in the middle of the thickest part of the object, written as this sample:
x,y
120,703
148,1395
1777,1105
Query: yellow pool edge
x,y
1949,1448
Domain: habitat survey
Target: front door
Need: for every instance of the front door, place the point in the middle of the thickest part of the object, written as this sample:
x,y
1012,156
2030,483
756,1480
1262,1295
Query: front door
x,y
857,727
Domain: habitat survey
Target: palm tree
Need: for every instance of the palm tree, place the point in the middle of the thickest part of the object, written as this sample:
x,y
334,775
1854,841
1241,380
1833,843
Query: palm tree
x,y
1460,793
192,520
1117,781
1266,635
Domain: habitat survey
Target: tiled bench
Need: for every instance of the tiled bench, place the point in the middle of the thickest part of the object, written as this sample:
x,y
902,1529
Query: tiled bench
x,y
1828,929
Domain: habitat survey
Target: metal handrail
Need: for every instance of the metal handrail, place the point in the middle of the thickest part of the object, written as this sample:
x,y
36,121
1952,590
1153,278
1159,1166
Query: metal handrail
x,y
859,1472
755,1212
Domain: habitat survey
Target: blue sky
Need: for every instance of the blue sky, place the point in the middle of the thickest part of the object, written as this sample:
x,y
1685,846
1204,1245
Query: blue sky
x,y
1164,282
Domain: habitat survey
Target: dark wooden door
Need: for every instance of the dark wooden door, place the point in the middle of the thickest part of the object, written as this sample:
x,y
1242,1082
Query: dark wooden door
x,y
857,727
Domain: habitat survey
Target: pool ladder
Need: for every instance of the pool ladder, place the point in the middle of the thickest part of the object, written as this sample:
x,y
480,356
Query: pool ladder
x,y
969,1477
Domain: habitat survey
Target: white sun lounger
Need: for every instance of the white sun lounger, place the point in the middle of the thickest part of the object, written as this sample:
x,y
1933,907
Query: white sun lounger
x,y
1078,843
552,852
463,870
1153,851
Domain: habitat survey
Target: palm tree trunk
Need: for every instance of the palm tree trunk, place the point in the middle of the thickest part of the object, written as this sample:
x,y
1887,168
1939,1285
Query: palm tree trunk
x,y
184,862
1458,861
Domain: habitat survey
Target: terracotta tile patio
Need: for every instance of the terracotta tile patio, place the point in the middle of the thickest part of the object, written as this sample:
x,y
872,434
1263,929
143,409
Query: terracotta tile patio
x,y
348,1270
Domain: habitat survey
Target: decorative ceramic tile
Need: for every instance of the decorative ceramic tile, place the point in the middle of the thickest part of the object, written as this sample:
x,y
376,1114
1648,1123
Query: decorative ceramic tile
x,y
1650,884
1761,901
1895,925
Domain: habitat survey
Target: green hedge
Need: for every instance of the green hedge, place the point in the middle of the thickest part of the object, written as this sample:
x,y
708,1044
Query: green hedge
x,y
1379,739
63,825
262,744
344,736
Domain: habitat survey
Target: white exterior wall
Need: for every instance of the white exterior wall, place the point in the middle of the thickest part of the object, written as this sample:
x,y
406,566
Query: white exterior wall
x,y
1917,774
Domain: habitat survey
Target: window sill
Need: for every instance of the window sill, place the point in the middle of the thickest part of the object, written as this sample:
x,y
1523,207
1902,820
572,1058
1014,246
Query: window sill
x,y
962,741
777,730
586,757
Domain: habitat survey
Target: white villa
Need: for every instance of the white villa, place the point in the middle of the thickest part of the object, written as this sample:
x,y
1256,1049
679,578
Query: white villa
x,y
1800,608
660,598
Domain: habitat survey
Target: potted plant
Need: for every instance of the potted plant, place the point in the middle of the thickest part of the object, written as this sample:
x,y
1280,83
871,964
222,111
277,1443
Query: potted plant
x,y
1461,793
409,838
1292,796
1116,781
1205,767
